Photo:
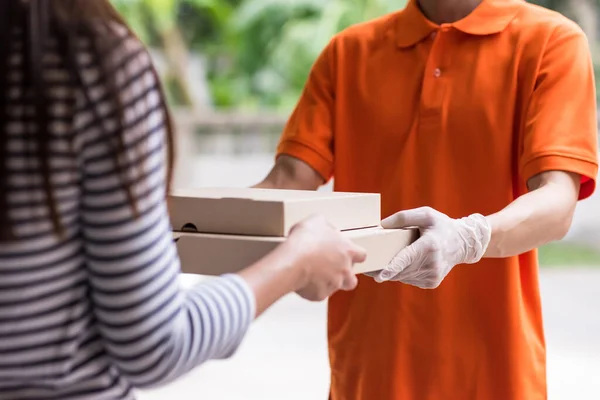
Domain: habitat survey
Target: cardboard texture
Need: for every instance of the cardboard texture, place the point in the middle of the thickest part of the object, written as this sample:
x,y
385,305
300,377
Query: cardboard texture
x,y
214,254
265,212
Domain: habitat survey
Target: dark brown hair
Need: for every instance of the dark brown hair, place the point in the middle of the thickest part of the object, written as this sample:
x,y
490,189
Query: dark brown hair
x,y
67,21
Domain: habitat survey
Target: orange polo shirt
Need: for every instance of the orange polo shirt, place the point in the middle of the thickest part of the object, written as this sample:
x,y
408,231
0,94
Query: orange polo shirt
x,y
457,117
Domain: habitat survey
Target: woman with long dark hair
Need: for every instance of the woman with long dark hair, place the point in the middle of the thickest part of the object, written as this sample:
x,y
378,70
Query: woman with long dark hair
x,y
90,306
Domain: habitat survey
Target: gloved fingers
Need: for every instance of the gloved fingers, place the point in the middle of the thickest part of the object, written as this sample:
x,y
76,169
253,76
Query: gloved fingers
x,y
418,283
428,276
415,272
408,256
421,283
420,217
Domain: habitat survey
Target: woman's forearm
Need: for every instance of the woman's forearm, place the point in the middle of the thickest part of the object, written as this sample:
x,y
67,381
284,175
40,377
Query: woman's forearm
x,y
536,218
273,277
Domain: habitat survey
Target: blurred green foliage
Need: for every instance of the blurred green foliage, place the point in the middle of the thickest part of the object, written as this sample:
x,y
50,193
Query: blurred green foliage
x,y
564,254
258,53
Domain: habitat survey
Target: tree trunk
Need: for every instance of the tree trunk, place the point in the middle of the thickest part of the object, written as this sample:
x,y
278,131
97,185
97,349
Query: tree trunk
x,y
178,58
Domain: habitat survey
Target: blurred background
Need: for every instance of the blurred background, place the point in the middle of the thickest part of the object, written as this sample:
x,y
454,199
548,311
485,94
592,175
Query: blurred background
x,y
233,70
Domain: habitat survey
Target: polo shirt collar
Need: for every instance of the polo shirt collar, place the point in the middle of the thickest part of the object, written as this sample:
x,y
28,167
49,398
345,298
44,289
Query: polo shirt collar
x,y
489,17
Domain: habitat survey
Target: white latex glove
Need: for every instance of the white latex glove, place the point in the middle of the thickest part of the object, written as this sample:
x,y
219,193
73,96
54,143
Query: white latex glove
x,y
444,243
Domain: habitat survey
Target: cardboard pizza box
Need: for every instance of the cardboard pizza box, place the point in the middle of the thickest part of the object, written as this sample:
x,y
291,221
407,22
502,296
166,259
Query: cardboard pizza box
x,y
217,254
268,212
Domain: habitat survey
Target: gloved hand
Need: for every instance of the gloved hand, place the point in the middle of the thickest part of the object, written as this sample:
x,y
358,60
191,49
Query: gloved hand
x,y
444,243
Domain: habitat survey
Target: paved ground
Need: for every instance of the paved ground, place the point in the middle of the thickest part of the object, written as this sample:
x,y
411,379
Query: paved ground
x,y
284,355
571,301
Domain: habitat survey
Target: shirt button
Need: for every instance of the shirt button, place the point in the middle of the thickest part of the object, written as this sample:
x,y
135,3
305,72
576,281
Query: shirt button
x,y
437,73
433,34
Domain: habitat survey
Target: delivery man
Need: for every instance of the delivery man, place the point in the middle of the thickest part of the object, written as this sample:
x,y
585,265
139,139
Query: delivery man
x,y
478,118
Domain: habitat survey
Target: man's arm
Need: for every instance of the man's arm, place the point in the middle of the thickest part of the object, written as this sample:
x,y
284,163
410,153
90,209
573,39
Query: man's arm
x,y
541,216
291,173
536,218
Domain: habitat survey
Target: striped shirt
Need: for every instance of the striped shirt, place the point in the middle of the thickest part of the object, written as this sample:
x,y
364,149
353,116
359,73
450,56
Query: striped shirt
x,y
98,311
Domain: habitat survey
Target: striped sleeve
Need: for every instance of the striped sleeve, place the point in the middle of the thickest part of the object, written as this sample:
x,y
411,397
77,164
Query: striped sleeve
x,y
153,330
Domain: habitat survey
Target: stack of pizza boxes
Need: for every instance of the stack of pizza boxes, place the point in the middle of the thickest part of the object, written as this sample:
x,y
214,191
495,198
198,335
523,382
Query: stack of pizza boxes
x,y
224,230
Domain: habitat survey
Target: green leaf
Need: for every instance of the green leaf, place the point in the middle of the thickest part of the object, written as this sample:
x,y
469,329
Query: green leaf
x,y
163,13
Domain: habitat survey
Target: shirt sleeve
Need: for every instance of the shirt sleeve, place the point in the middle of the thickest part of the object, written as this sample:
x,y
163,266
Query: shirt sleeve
x,y
560,131
153,330
308,134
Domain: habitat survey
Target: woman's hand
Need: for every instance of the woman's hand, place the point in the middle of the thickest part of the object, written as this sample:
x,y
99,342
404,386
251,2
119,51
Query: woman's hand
x,y
325,257
444,243
315,261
